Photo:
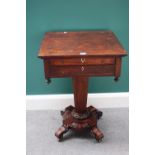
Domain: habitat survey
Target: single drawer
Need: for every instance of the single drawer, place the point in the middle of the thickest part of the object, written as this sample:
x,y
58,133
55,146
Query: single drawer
x,y
83,61
69,71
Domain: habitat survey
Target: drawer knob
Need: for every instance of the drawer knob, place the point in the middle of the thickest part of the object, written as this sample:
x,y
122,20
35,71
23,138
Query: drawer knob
x,y
82,60
82,68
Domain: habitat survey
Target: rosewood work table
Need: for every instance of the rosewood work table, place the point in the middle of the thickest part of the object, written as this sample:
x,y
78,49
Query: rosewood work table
x,y
80,55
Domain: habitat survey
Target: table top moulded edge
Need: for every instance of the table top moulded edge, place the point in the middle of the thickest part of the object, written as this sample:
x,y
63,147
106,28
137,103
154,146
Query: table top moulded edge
x,y
120,53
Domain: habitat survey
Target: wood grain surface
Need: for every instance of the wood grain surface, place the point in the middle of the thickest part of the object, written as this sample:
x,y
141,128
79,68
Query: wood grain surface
x,y
80,55
88,43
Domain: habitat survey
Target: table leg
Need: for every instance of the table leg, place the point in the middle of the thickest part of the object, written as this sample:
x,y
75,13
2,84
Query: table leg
x,y
80,117
80,85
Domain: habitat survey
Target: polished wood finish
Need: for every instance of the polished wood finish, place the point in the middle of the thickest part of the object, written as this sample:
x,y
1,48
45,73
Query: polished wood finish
x,y
117,67
83,61
80,121
80,55
73,44
80,95
70,71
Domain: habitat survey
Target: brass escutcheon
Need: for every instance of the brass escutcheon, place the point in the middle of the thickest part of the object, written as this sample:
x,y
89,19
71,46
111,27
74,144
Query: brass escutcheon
x,y
82,60
82,68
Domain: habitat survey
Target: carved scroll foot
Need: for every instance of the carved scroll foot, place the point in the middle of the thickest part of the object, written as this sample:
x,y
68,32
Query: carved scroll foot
x,y
97,134
80,121
59,133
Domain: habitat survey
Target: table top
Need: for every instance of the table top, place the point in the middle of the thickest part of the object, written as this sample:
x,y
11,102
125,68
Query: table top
x,y
87,43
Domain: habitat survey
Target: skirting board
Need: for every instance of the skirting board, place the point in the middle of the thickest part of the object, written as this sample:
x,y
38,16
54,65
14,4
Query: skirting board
x,y
59,102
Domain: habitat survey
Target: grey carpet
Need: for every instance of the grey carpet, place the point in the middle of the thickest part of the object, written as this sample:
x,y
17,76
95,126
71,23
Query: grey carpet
x,y
41,126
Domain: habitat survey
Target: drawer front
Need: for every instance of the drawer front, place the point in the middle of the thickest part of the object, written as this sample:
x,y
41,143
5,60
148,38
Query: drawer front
x,y
83,61
69,71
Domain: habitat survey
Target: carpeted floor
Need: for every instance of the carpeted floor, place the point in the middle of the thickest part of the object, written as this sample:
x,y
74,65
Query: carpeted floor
x,y
41,126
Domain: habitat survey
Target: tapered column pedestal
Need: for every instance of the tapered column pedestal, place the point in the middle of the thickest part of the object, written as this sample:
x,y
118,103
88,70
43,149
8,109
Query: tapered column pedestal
x,y
80,117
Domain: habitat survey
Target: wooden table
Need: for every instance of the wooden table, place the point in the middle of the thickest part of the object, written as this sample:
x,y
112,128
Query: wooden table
x,y
80,55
